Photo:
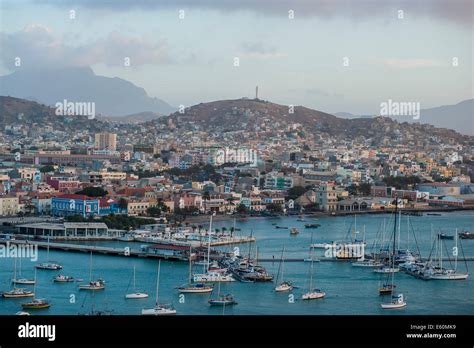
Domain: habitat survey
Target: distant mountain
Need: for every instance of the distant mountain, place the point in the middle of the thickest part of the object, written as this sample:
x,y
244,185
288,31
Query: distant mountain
x,y
262,118
459,117
351,116
112,96
131,119
30,114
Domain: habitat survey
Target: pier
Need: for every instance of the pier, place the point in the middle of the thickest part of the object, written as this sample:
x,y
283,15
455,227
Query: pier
x,y
129,252
126,251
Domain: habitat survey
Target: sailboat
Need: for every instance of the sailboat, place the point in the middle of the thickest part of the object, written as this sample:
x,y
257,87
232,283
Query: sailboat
x,y
50,266
17,292
222,300
135,294
311,259
391,267
397,301
312,294
159,309
36,303
439,272
285,285
20,280
209,275
98,284
197,288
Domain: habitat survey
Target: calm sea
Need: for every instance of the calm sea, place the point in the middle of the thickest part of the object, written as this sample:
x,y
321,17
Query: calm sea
x,y
349,290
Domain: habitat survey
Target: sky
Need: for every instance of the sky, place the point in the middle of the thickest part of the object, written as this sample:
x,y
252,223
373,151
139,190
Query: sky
x,y
329,55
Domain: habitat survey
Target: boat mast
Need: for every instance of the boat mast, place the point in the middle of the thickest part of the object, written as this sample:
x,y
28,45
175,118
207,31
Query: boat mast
x,y
34,286
456,254
209,246
14,270
311,270
394,240
190,266
282,264
440,250
399,230
90,267
134,287
157,282
47,251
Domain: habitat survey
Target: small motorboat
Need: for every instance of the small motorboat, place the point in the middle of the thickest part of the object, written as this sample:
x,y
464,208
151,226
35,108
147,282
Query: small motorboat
x,y
367,263
386,289
396,303
22,313
387,270
225,300
445,236
281,227
466,235
36,304
294,231
50,266
284,286
93,285
160,309
313,295
61,278
198,288
312,225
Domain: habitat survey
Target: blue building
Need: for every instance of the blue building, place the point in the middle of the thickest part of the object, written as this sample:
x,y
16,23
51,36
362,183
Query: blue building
x,y
75,205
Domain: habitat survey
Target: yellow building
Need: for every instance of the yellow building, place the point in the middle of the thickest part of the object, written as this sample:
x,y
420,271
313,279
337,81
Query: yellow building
x,y
8,205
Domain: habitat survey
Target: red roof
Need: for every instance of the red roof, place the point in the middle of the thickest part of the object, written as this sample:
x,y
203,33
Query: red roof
x,y
75,196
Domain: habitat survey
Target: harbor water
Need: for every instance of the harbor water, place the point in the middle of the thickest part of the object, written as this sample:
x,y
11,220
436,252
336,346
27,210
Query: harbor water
x,y
349,290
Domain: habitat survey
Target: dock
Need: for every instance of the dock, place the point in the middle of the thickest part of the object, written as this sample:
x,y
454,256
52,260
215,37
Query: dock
x,y
129,252
126,251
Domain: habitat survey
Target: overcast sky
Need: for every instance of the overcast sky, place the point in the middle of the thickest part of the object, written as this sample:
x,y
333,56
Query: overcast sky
x,y
293,61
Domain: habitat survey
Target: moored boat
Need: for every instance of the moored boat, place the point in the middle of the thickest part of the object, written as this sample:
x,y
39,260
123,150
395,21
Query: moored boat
x,y
466,235
135,294
93,285
23,281
225,300
50,266
159,309
18,293
395,303
61,278
312,225
36,304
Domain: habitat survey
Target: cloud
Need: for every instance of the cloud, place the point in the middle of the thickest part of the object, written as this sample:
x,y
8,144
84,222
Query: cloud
x,y
38,45
260,50
316,92
455,11
411,63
